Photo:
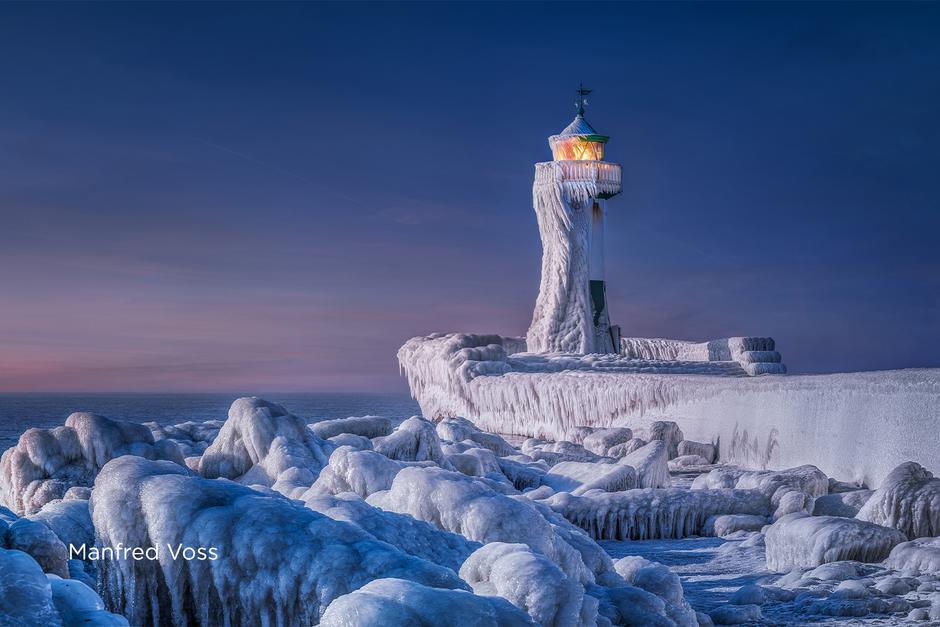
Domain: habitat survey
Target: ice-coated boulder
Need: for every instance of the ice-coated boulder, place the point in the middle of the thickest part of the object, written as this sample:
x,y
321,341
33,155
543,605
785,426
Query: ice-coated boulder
x,y
845,504
800,540
647,514
727,524
920,555
556,452
651,465
415,440
467,506
192,438
531,582
667,432
907,500
414,537
31,598
620,450
278,563
401,602
791,490
361,472
522,474
579,477
262,443
659,580
601,440
70,520
461,429
45,463
702,449
365,426
687,461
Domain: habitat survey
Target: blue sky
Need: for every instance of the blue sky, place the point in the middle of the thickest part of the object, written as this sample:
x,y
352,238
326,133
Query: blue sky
x,y
232,197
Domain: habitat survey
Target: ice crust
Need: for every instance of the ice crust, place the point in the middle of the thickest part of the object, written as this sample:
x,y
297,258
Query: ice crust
x,y
907,500
920,555
650,462
579,477
45,463
800,540
262,443
360,472
365,426
759,422
279,563
646,514
401,602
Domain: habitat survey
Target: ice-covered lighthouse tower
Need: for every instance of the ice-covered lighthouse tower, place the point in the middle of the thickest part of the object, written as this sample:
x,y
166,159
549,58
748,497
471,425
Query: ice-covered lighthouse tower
x,y
569,195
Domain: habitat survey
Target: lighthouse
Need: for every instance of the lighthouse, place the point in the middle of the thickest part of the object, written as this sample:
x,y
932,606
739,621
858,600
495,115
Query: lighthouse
x,y
569,195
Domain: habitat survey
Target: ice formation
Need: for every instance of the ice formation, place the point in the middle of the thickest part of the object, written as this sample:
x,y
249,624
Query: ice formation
x,y
651,465
662,582
556,452
791,490
262,443
45,463
360,472
645,514
532,582
920,555
278,563
846,504
800,540
908,500
458,429
192,438
366,426
414,537
728,524
600,441
579,477
703,450
401,602
414,440
758,422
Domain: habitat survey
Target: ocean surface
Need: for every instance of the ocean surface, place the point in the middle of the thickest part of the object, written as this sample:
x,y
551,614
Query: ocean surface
x,y
19,412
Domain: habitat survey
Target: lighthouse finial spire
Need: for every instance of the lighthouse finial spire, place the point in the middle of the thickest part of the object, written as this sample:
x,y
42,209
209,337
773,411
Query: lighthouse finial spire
x,y
582,99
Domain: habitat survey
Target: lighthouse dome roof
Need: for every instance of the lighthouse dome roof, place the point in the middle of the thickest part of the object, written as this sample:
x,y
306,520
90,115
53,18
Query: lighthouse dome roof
x,y
579,126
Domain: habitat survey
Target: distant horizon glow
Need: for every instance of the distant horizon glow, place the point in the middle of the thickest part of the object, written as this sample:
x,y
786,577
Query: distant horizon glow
x,y
207,198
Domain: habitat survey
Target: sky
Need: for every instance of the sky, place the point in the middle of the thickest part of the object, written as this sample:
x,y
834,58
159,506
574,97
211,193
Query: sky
x,y
237,197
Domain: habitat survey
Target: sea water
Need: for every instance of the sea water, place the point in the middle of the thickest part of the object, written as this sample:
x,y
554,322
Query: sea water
x,y
19,412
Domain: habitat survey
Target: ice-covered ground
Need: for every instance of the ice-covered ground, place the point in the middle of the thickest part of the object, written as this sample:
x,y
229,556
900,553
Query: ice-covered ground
x,y
376,521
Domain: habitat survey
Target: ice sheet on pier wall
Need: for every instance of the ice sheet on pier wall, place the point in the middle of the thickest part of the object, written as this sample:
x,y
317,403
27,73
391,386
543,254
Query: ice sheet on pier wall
x,y
759,422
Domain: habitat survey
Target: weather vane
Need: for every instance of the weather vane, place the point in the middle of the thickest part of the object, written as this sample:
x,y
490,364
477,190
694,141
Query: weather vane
x,y
582,100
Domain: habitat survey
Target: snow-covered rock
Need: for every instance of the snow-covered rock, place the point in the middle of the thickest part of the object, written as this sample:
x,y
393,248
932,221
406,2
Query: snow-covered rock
x,y
262,443
659,580
579,477
846,504
651,464
727,524
276,562
45,463
471,508
460,429
414,537
667,432
531,582
920,555
401,602
360,472
907,500
414,440
601,440
702,449
620,450
646,514
799,540
365,426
